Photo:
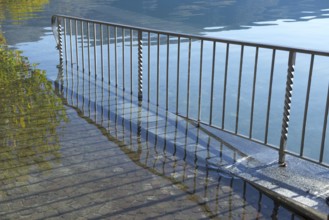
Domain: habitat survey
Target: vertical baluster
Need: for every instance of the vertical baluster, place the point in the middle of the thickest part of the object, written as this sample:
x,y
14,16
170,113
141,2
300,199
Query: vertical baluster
x,y
188,76
65,41
101,55
148,65
324,130
109,89
59,83
140,145
200,82
76,44
131,61
259,209
239,91
102,100
275,211
108,55
212,81
218,197
71,47
221,148
95,51
231,206
77,86
301,153
72,85
167,73
115,56
83,67
95,69
123,57
244,193
60,42
140,66
158,70
95,101
82,47
207,185
253,94
269,97
225,84
89,86
178,70
88,43
287,106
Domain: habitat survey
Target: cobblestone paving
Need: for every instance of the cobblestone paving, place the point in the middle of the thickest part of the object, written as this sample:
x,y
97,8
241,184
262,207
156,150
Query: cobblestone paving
x,y
100,174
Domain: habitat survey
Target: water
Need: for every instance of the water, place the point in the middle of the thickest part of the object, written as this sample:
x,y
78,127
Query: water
x,y
292,23
191,71
84,159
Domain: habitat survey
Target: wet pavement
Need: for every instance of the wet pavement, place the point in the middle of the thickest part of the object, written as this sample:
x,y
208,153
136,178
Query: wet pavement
x,y
100,176
110,158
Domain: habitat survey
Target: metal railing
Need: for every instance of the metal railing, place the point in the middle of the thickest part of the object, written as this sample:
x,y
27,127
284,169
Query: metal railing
x,y
260,92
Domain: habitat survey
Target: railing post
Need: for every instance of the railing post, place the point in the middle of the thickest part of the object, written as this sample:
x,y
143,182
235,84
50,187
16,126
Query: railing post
x,y
140,66
57,30
60,42
287,106
140,87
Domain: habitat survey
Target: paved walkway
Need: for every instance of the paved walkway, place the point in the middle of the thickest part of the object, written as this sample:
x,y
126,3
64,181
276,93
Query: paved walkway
x,y
106,171
116,158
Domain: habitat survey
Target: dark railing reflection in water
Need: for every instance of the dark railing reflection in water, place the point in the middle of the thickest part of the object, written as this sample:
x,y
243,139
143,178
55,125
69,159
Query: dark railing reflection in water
x,y
168,146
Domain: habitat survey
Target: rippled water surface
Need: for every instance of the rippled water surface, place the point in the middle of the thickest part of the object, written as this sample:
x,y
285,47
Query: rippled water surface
x,y
292,23
297,23
70,155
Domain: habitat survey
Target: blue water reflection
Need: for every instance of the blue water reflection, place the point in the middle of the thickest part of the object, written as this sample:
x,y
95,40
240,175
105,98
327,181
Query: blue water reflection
x,y
291,23
298,23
